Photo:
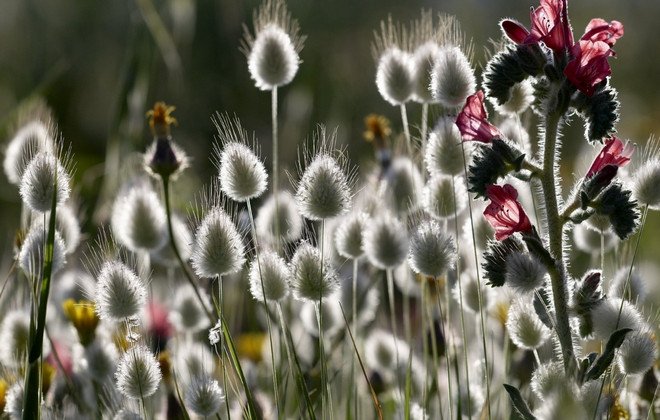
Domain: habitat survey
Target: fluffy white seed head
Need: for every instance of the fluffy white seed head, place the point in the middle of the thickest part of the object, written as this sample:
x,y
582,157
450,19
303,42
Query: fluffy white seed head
x,y
638,352
14,400
444,153
204,396
242,174
588,240
187,315
311,277
386,242
120,293
100,359
524,273
68,225
633,290
192,360
548,379
432,251
274,273
323,191
521,97
218,248
524,326
606,315
470,292
453,79
138,374
592,396
39,183
380,351
138,220
14,334
349,235
403,183
395,76
423,60
646,184
284,210
565,403
443,197
331,314
31,255
30,140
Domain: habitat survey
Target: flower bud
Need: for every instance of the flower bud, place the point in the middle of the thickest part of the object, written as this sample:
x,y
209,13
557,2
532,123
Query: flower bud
x,y
39,183
495,259
524,326
312,278
618,205
452,80
138,374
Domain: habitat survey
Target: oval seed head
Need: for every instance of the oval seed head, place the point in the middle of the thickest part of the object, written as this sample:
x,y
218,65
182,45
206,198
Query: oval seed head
x,y
349,235
548,379
138,220
311,277
187,314
588,240
120,293
432,251
204,396
646,184
242,174
323,190
443,197
521,97
524,273
444,152
524,326
638,352
282,212
274,273
68,225
100,359
423,60
470,291
38,183
30,140
138,374
14,337
192,360
606,318
218,248
394,76
633,290
403,182
386,242
31,255
452,80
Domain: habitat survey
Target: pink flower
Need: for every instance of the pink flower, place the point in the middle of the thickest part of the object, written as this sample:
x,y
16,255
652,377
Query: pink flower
x,y
472,122
158,325
599,30
589,65
613,153
504,213
549,25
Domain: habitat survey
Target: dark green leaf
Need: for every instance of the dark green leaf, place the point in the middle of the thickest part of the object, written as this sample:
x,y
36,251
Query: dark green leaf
x,y
603,362
519,404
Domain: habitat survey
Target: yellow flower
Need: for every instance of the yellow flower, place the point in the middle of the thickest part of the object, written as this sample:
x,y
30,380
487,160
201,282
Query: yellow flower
x,y
47,375
83,317
160,119
3,392
249,345
378,128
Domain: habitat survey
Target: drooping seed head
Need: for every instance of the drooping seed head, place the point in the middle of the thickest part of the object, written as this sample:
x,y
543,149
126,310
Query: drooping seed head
x,y
138,220
444,153
312,278
323,191
524,273
274,273
385,242
204,396
138,374
524,326
282,212
31,139
218,248
31,255
44,177
349,235
453,78
432,251
120,293
444,197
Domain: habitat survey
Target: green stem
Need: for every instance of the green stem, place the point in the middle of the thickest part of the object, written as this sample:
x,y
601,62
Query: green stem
x,y
354,304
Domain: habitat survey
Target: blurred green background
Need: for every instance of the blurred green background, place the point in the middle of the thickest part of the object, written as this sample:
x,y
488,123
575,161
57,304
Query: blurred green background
x,y
100,67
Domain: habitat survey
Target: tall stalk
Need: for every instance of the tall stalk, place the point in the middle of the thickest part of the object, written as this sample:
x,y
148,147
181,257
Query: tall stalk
x,y
276,167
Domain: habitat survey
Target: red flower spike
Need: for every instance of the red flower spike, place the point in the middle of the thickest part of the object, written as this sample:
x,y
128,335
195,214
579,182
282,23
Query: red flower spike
x,y
473,123
549,27
613,153
504,213
589,65
514,30
600,30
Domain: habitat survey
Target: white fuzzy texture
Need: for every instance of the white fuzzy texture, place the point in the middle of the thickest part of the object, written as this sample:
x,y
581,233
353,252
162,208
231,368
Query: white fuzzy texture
x,y
204,396
138,220
453,78
592,394
14,400
183,239
588,240
386,242
403,184
380,350
638,352
470,292
192,360
563,404
100,359
68,225
394,76
14,334
323,190
275,274
28,141
286,212
606,315
522,96
31,255
218,248
127,414
333,322
349,235
187,315
599,223
524,326
120,293
273,60
138,374
311,277
633,290
524,273
443,198
432,251
242,174
646,184
547,379
513,130
423,59
38,183
444,153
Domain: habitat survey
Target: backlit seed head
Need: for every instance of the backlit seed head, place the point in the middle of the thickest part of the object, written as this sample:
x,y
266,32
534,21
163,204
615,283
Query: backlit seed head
x,y
521,96
187,314
14,400
218,248
40,182
432,251
138,374
403,183
323,191
444,197
204,396
588,240
524,273
274,273
524,326
331,314
192,360
100,359
286,212
272,51
349,235
628,285
444,152
31,139
67,223
548,379
14,338
120,293
394,76
138,220
453,79
606,318
311,277
512,129
423,60
380,350
386,242
646,184
31,255
638,352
